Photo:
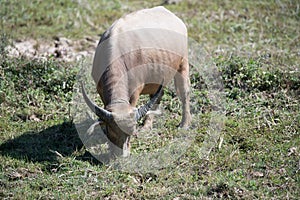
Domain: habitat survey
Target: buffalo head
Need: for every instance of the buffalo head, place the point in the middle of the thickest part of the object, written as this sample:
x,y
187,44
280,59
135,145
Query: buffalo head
x,y
120,120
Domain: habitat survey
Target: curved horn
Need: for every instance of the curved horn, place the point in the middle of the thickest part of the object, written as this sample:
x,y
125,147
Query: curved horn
x,y
142,111
103,114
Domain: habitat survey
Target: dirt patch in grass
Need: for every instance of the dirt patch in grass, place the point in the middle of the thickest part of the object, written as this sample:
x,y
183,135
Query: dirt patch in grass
x,y
60,48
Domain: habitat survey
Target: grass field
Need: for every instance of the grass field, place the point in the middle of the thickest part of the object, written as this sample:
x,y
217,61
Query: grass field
x,y
255,46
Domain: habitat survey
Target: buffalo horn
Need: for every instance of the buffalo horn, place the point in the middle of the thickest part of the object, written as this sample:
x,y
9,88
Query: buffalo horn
x,y
103,114
142,111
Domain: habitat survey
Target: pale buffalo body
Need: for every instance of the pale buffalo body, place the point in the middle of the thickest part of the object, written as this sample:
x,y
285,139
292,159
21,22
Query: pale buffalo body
x,y
137,54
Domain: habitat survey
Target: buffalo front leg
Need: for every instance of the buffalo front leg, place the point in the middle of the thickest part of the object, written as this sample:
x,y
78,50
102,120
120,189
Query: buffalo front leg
x,y
182,84
149,117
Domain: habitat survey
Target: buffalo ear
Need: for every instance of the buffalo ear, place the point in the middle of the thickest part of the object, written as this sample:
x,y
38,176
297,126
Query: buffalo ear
x,y
132,115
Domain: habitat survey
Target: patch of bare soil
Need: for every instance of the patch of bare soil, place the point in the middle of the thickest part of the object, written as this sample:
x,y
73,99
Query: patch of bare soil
x,y
59,48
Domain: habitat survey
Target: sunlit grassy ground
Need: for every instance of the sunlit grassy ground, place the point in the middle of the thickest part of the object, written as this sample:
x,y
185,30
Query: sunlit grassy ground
x,y
255,46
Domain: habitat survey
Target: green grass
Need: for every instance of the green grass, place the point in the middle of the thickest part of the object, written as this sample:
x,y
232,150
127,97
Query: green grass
x,y
255,46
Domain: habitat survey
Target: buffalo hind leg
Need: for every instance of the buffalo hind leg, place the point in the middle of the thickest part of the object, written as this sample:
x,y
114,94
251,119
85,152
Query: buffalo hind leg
x,y
182,84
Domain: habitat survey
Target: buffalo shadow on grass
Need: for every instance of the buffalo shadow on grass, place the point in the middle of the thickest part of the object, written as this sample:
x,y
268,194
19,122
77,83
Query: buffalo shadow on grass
x,y
46,145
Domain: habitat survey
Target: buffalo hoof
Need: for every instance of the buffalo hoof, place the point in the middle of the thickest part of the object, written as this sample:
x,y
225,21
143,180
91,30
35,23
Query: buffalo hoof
x,y
183,127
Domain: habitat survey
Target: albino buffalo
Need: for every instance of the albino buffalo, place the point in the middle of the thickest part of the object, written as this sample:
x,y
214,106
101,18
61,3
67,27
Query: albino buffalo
x,y
138,54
